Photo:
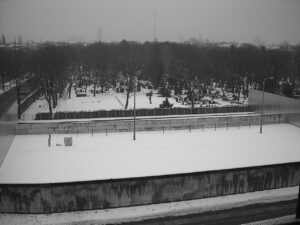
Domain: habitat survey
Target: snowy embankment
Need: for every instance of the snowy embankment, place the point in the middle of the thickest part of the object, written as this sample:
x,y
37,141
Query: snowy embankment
x,y
139,213
30,160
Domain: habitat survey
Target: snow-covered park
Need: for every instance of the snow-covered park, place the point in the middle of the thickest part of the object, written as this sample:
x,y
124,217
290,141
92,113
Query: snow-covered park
x,y
30,160
112,100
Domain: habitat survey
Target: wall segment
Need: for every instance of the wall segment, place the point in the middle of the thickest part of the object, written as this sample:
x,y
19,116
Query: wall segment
x,y
101,194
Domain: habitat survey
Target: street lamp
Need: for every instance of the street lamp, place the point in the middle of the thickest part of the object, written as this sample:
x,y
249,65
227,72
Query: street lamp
x,y
134,87
262,102
134,111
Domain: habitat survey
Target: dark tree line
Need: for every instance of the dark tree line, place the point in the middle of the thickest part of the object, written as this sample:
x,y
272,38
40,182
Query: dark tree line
x,y
181,66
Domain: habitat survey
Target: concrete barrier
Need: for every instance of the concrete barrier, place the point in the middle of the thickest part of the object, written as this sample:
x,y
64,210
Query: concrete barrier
x,y
102,194
276,104
120,125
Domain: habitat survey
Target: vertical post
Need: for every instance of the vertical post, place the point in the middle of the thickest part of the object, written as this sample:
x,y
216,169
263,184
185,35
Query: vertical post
x,y
18,100
134,108
298,205
49,140
261,107
262,103
106,131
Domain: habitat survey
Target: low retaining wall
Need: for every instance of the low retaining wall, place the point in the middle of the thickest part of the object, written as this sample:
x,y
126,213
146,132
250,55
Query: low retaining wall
x,y
119,125
65,197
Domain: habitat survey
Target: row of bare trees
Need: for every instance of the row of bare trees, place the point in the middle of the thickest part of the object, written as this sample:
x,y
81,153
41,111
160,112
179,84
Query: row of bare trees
x,y
182,65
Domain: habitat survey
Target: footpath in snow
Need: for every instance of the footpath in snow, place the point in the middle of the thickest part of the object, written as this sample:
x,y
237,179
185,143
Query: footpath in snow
x,y
140,213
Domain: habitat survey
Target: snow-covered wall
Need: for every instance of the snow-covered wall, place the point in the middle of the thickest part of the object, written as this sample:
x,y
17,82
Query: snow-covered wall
x,y
101,194
126,124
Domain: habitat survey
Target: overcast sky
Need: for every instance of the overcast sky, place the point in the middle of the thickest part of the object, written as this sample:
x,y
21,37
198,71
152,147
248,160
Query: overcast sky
x,y
272,21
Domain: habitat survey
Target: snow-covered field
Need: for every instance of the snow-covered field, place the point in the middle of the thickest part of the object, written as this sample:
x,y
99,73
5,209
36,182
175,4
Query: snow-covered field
x,y
104,101
30,160
139,213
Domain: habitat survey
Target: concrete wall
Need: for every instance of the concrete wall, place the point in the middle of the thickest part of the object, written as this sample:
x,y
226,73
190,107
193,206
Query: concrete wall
x,y
63,197
276,104
8,123
145,124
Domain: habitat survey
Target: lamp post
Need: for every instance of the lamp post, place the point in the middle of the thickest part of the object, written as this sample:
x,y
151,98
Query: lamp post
x,y
262,103
134,102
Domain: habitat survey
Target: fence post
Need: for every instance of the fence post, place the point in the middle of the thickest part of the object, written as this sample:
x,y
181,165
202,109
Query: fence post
x,y
163,129
215,126
227,125
202,127
106,131
92,133
190,128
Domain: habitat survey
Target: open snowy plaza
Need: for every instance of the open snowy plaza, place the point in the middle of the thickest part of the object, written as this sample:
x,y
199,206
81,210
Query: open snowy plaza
x,y
101,157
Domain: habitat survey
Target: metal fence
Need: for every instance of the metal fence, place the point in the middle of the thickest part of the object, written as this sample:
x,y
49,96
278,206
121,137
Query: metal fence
x,y
140,112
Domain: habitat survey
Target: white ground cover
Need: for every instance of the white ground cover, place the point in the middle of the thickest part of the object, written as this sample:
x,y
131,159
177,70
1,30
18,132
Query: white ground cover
x,y
139,213
97,157
7,86
104,101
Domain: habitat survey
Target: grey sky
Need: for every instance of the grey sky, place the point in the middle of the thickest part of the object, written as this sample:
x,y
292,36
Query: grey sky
x,y
272,21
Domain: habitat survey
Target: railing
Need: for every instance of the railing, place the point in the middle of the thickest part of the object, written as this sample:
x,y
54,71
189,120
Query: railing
x,y
140,112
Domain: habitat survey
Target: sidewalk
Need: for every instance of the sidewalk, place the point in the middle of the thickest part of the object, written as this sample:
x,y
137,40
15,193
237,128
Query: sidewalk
x,y
285,220
140,213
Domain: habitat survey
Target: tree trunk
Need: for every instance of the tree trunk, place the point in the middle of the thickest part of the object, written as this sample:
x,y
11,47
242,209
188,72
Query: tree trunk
x,y
50,107
54,99
94,89
127,99
192,100
70,88
2,81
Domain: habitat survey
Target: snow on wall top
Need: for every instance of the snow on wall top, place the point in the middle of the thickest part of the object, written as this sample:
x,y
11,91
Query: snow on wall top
x,y
101,157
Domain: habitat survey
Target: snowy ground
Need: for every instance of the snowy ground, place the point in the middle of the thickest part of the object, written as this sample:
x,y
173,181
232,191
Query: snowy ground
x,y
7,86
104,101
30,160
139,213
